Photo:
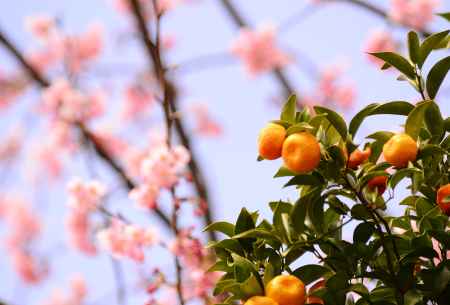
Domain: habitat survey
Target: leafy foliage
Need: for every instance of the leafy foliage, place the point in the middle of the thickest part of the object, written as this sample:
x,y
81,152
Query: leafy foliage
x,y
388,260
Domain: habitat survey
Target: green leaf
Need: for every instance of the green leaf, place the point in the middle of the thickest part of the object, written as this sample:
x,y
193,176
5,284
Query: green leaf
x,y
400,174
221,226
398,62
310,273
436,76
382,136
435,122
258,233
284,172
413,46
413,297
394,107
363,232
299,127
310,179
360,212
446,16
359,118
415,119
289,109
429,44
335,119
244,222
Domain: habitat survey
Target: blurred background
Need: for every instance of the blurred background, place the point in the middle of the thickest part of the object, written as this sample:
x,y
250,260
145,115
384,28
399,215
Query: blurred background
x,y
320,38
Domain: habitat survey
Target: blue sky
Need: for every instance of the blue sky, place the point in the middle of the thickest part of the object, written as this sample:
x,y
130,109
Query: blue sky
x,y
241,104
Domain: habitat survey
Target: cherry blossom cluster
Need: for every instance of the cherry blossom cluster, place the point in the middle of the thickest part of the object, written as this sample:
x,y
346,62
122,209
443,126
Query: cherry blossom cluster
x,y
58,47
75,296
331,89
258,50
413,13
161,167
24,229
84,199
127,240
379,40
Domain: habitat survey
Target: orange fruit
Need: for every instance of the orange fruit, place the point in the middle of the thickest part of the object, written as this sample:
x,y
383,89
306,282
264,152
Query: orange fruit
x,y
358,157
399,150
314,299
379,183
286,290
301,152
260,300
270,141
442,193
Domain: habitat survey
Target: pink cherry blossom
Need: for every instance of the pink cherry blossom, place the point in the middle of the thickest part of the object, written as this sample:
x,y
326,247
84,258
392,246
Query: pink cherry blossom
x,y
85,196
163,166
78,228
414,13
331,89
258,50
81,49
379,41
76,295
40,25
62,101
10,146
126,240
23,229
205,125
145,196
138,99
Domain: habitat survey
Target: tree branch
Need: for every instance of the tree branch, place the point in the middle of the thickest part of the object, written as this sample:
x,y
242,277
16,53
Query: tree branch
x,y
87,135
170,106
377,11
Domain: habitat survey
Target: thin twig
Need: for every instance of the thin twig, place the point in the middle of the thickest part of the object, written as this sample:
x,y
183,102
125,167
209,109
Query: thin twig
x,y
87,135
377,11
170,106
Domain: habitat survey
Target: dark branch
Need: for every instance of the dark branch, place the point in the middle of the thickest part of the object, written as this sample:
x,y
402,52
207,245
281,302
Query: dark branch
x,y
170,106
87,135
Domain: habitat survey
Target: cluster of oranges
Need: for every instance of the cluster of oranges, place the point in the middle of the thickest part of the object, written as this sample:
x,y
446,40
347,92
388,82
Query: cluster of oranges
x,y
300,151
301,154
286,290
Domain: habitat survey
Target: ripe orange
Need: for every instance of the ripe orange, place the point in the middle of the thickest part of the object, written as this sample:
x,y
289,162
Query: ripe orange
x,y
442,193
260,300
270,141
358,157
301,152
400,149
314,299
286,290
379,183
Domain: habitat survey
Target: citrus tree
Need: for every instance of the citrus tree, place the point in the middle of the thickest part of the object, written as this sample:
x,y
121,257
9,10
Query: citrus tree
x,y
388,259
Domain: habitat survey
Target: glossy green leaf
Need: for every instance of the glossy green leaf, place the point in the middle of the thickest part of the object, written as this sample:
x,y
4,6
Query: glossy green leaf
x,y
311,273
400,174
415,119
413,46
244,222
363,232
398,62
437,75
221,226
429,44
299,127
335,119
309,179
289,110
284,172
